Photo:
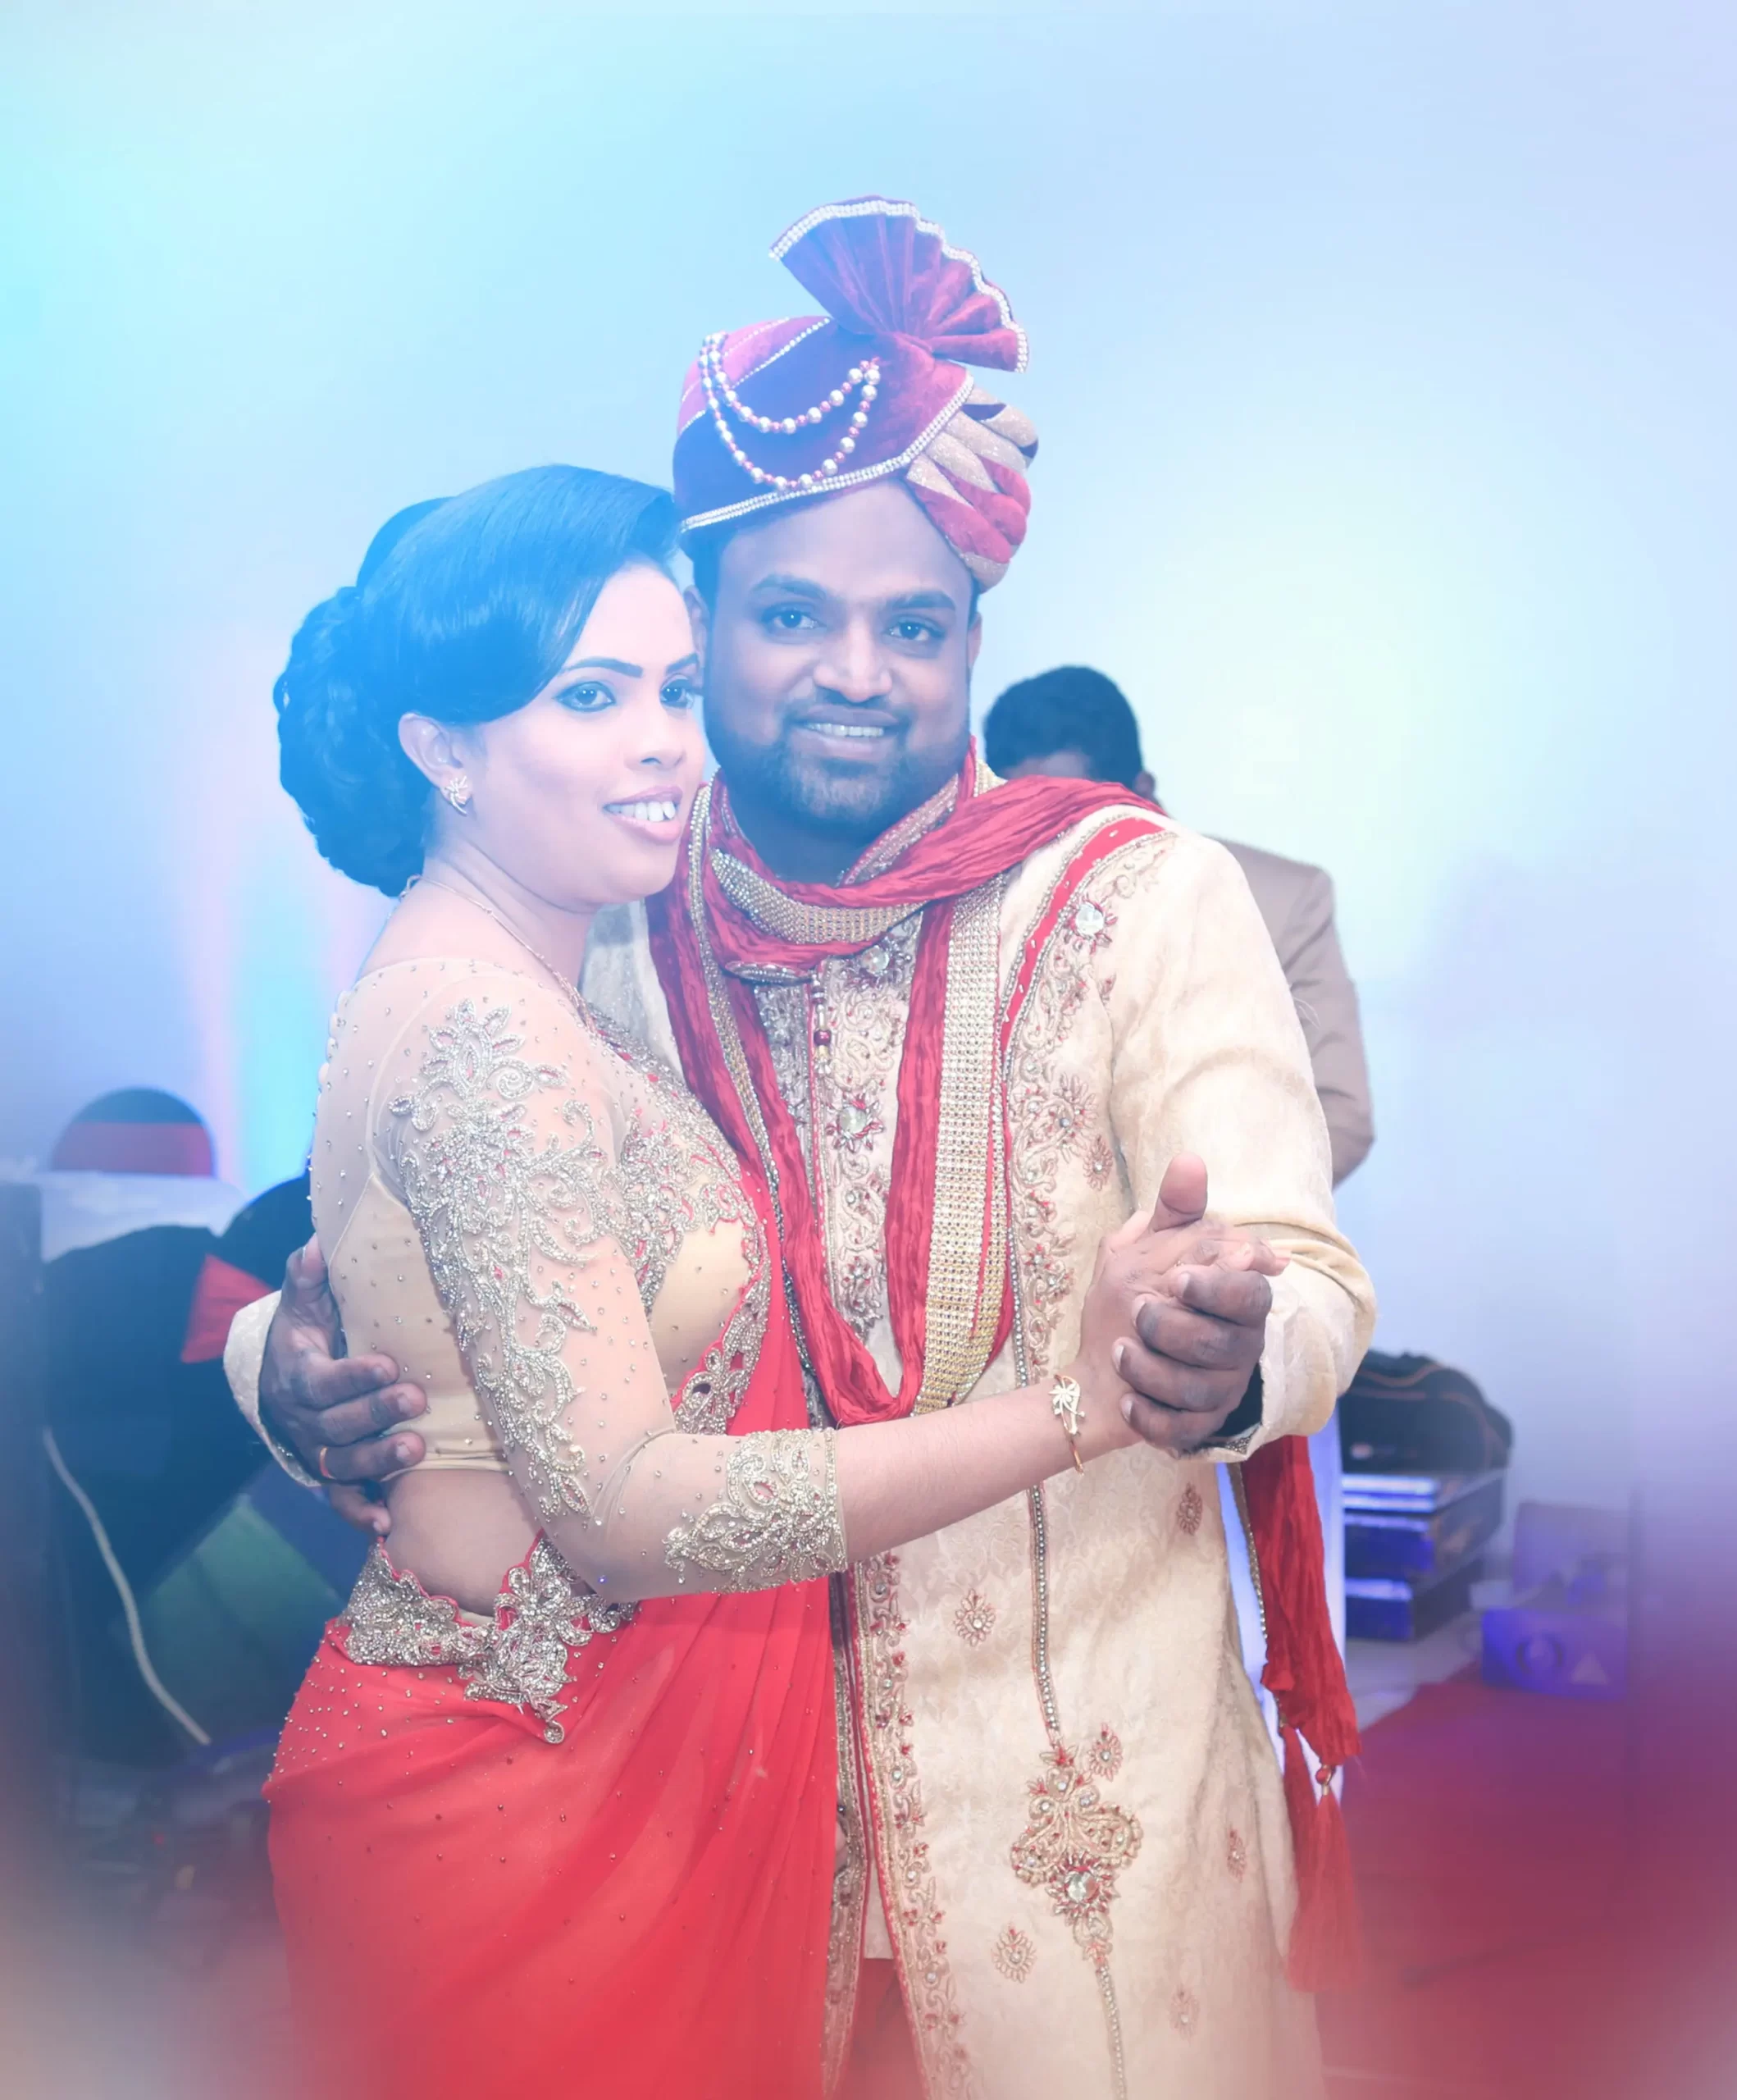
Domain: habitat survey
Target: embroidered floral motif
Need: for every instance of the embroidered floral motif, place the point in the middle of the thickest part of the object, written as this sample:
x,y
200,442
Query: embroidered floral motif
x,y
1055,1116
1184,2011
490,1198
844,1104
718,1383
1102,1756
1190,1510
907,1880
1014,1953
518,1659
1072,1847
783,1012
774,1522
854,1124
1236,1856
974,1620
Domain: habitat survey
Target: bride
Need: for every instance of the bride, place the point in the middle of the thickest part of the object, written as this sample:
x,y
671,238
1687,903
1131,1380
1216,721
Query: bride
x,y
558,1795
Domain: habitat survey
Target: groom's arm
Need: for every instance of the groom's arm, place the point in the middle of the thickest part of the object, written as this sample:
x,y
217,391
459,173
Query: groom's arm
x,y
1209,1058
329,1419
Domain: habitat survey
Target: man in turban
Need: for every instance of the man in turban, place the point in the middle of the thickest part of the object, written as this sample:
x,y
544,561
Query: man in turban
x,y
966,1028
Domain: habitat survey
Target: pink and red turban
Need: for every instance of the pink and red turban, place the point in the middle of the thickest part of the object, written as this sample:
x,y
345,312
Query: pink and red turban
x,y
793,410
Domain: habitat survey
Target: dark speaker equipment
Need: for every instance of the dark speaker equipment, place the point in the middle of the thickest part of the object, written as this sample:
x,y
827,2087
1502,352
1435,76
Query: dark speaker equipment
x,y
1410,1414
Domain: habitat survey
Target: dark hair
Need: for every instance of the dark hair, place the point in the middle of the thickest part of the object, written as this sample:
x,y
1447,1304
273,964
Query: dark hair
x,y
704,551
463,610
1070,710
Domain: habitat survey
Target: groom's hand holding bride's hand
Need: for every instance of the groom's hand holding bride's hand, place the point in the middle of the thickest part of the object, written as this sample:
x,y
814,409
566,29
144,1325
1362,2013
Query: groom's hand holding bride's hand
x,y
1201,1295
336,1412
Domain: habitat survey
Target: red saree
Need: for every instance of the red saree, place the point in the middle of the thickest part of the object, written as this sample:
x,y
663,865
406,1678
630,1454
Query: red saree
x,y
639,1908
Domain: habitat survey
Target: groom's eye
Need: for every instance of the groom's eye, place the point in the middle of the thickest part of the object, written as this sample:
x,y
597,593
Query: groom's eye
x,y
788,619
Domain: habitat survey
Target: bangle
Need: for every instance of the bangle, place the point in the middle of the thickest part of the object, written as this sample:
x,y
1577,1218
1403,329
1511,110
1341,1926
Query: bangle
x,y
1066,1404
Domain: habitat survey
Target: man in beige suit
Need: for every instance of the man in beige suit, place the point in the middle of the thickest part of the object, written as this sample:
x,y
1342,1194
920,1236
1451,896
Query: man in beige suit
x,y
1075,722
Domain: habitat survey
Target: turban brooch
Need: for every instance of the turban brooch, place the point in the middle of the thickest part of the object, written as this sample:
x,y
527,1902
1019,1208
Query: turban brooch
x,y
792,411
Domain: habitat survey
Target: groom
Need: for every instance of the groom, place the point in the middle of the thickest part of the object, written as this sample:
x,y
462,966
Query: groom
x,y
967,1030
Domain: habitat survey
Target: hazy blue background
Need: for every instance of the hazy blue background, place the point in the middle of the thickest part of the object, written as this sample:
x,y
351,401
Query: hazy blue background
x,y
1382,360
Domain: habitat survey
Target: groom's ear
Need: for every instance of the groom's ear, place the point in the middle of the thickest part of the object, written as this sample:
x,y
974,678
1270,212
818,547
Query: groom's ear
x,y
974,640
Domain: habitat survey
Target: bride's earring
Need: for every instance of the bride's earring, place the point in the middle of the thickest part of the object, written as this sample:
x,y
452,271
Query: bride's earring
x,y
458,792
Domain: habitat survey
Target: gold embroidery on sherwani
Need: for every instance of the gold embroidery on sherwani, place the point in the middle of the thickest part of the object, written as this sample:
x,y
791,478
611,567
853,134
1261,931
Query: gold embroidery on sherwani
x,y
1190,1510
844,1104
907,1881
1051,1114
1014,1954
1075,1841
806,924
1072,1847
974,1620
851,1861
967,1241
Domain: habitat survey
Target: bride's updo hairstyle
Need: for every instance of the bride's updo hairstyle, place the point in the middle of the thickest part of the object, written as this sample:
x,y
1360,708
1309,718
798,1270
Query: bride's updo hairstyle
x,y
463,610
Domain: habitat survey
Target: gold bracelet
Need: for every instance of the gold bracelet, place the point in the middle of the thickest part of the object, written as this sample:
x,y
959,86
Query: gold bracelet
x,y
1065,1405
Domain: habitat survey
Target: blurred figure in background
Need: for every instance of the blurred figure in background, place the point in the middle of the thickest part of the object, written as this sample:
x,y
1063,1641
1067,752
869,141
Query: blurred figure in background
x,y
1075,724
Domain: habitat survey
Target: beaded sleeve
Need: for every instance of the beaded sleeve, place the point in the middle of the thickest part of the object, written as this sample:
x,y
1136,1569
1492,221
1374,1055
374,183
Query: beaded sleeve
x,y
505,1148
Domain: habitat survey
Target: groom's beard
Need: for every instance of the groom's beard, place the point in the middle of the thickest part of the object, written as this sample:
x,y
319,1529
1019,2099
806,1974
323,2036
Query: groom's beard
x,y
842,798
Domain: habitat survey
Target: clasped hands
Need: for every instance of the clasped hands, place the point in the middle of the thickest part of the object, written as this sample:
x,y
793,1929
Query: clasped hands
x,y
1171,1335
1195,1294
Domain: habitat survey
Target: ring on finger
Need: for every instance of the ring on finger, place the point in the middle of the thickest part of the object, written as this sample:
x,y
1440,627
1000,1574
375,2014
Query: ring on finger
x,y
319,1463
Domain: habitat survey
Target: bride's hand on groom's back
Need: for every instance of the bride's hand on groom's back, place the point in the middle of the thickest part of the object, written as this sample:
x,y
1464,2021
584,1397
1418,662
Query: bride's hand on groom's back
x,y
336,1412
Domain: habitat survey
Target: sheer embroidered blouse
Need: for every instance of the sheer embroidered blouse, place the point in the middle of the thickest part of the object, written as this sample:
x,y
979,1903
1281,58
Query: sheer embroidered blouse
x,y
551,1238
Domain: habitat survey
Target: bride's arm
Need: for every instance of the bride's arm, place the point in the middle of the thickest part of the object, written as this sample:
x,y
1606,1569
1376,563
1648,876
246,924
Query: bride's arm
x,y
502,1147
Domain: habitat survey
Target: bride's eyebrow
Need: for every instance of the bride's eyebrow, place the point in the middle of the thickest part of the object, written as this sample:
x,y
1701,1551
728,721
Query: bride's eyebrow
x,y
606,663
688,662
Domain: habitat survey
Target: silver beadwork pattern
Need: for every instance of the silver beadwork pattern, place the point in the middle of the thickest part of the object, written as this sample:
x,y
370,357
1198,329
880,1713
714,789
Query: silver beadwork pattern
x,y
774,1522
519,1658
489,1197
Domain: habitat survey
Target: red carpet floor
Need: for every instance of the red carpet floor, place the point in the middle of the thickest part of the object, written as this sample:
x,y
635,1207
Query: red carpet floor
x,y
1521,1945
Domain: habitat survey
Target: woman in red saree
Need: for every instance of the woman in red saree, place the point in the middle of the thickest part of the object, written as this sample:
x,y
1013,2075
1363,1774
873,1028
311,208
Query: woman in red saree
x,y
557,1798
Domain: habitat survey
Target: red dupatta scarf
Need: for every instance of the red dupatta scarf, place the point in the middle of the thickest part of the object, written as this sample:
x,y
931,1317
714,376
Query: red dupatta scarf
x,y
725,923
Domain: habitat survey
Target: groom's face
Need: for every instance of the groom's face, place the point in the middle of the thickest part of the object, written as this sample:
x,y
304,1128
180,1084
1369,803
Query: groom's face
x,y
838,651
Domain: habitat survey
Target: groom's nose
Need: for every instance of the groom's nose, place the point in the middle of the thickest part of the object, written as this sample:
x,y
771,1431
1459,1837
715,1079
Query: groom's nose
x,y
852,664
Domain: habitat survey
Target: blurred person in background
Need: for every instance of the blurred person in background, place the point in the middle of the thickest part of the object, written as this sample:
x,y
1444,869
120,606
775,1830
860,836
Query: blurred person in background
x,y
1074,723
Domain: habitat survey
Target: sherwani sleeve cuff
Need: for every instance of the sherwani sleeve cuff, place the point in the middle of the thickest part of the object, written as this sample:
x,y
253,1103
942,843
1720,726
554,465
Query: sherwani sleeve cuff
x,y
243,1358
1315,1334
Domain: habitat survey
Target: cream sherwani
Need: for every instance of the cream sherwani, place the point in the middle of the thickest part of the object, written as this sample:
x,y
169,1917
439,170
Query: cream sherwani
x,y
1063,1806
1065,1789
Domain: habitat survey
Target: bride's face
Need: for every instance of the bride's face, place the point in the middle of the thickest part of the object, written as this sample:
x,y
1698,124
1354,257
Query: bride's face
x,y
582,796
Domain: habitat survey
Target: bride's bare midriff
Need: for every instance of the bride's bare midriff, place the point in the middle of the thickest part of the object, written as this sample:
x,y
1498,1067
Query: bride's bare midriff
x,y
457,1532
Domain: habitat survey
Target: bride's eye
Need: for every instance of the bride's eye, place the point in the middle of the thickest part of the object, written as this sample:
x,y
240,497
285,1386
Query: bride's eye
x,y
679,693
586,699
